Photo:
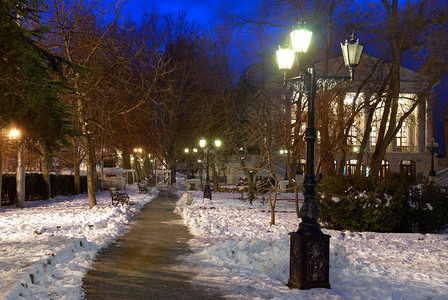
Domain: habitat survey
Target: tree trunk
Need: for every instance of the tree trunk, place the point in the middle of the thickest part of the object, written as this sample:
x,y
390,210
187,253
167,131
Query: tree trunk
x,y
1,173
91,171
46,172
90,154
272,203
173,174
138,169
251,183
445,127
20,176
215,179
126,158
76,174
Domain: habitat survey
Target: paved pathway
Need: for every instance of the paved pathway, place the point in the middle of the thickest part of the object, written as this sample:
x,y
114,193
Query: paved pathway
x,y
142,264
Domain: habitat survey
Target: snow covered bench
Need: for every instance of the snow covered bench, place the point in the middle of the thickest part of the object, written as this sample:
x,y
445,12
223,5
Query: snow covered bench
x,y
142,189
118,197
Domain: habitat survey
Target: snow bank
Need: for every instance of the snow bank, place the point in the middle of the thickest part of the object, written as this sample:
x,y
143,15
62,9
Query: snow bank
x,y
47,247
253,258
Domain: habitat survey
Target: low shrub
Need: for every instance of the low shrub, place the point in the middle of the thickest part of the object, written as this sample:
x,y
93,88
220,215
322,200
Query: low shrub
x,y
429,207
391,205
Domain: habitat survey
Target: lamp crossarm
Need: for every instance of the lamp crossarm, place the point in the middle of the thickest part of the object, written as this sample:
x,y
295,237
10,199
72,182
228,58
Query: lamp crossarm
x,y
324,82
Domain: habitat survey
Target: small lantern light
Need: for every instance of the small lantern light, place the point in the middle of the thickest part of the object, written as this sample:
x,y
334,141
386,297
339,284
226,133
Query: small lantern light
x,y
202,143
218,143
352,52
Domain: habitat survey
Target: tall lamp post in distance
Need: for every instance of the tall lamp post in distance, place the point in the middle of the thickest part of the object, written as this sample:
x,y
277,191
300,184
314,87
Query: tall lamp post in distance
x,y
138,168
432,147
285,152
195,151
207,189
20,172
309,247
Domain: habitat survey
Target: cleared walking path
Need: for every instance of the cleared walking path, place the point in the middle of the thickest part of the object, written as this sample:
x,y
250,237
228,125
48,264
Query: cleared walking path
x,y
143,264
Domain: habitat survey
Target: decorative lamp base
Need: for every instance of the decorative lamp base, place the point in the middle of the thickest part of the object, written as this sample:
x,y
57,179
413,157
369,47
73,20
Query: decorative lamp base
x,y
309,261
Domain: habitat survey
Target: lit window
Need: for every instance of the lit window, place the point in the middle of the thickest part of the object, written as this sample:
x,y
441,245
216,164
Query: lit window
x,y
402,136
373,136
352,136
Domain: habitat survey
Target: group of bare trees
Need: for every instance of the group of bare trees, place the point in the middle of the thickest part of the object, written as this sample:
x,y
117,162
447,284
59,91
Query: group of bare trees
x,y
145,84
164,82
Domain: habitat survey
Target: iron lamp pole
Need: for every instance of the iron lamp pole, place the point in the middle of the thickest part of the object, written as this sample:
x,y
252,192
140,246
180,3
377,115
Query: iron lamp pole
x,y
285,152
207,189
432,147
309,246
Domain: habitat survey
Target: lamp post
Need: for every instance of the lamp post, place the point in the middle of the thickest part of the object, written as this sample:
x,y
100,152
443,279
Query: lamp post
x,y
195,151
138,168
309,247
207,189
285,152
432,147
20,172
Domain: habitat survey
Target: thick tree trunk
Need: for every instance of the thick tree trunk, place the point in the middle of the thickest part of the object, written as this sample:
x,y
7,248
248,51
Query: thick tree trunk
x,y
1,173
91,171
126,158
445,127
250,181
173,169
138,169
20,176
76,174
215,179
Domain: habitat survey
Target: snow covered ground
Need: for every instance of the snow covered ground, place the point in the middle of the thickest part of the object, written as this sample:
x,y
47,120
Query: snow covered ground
x,y
47,247
253,258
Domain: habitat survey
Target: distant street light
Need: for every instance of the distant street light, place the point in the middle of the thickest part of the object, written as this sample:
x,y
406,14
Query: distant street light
x,y
285,153
432,147
207,189
138,167
309,256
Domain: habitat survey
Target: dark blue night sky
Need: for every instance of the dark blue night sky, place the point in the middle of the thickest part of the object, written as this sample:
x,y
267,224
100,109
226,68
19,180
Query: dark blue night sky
x,y
201,11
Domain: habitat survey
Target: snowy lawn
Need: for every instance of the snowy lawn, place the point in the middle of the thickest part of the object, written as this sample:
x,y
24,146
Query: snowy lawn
x,y
237,250
47,247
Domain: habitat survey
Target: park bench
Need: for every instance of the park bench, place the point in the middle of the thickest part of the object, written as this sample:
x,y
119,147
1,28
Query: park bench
x,y
142,189
118,197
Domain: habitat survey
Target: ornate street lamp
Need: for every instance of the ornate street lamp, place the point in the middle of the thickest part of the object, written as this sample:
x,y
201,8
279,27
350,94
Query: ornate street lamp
x,y
309,247
207,189
432,147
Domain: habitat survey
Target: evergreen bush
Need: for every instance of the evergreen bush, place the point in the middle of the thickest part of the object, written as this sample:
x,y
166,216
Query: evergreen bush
x,y
390,205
